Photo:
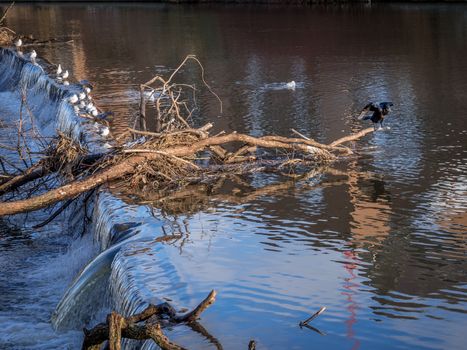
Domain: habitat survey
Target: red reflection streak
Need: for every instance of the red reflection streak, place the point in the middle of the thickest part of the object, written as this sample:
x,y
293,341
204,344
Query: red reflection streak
x,y
352,305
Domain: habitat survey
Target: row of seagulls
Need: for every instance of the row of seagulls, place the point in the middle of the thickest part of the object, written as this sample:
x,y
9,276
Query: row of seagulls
x,y
62,76
32,55
81,102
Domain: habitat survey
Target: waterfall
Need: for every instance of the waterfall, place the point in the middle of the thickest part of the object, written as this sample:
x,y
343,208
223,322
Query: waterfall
x,y
120,276
47,100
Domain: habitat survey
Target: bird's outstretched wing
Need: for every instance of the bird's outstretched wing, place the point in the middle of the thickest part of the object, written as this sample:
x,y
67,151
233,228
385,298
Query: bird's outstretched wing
x,y
386,105
370,107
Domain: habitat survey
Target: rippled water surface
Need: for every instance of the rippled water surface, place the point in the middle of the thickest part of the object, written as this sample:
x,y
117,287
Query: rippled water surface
x,y
379,239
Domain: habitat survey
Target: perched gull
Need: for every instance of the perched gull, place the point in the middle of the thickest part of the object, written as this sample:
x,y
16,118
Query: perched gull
x,y
379,109
33,56
101,129
86,86
82,95
65,75
18,44
73,99
291,85
59,70
104,131
92,110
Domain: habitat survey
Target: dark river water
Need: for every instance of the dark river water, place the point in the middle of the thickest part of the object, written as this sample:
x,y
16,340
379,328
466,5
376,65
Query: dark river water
x,y
379,239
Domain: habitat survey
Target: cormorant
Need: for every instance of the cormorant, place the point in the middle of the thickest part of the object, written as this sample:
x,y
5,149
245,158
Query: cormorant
x,y
379,109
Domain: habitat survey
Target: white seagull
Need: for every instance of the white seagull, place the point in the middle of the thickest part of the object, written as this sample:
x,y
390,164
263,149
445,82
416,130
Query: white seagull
x,y
104,131
291,85
18,44
33,56
65,75
73,99
59,70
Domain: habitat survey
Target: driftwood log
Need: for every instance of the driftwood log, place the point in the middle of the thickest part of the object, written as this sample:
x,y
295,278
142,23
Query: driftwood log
x,y
126,162
134,157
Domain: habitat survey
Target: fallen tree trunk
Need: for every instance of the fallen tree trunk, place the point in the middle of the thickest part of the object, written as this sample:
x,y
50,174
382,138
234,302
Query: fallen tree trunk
x,y
71,190
352,137
31,174
127,165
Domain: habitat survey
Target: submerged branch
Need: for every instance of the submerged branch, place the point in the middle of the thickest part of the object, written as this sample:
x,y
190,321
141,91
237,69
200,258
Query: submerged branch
x,y
118,327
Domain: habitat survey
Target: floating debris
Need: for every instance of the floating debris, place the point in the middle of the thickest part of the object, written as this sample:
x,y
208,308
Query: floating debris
x,y
312,317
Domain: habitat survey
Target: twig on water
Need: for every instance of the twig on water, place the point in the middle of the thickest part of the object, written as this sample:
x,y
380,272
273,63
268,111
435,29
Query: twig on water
x,y
312,317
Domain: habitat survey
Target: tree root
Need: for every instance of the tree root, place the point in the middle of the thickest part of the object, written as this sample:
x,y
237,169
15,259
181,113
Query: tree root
x,y
118,327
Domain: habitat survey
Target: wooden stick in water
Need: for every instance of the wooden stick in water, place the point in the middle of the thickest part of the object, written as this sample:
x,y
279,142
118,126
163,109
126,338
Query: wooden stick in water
x,y
312,317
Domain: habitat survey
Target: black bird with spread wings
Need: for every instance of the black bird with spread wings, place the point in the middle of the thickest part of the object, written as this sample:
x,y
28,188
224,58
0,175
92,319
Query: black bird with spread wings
x,y
379,109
